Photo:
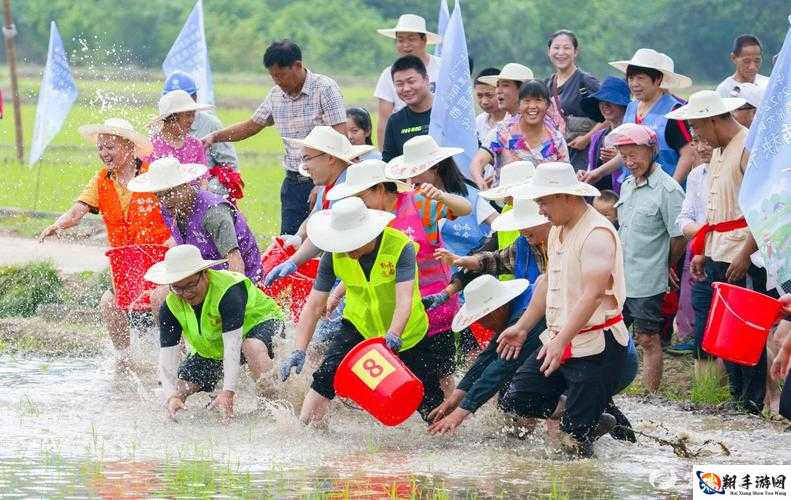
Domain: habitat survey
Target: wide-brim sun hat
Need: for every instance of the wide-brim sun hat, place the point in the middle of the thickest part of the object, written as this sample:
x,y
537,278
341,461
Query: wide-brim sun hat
x,y
705,104
555,178
650,58
512,176
121,128
511,71
484,295
411,23
346,226
362,176
330,141
750,92
630,134
524,215
178,101
181,261
613,90
420,154
165,173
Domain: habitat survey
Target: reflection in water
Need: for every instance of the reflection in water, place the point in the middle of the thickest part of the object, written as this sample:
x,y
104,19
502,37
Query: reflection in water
x,y
81,427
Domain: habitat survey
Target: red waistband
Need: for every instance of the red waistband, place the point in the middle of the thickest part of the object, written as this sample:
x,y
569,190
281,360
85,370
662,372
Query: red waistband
x,y
607,324
698,245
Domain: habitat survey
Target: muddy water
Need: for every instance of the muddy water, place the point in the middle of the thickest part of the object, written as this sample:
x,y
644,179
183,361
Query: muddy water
x,y
83,428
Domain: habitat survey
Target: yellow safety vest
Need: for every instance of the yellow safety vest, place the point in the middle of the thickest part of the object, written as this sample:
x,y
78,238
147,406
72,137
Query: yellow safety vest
x,y
504,240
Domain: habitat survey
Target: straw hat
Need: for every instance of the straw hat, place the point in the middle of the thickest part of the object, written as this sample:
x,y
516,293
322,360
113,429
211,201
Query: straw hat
x,y
178,101
410,23
484,295
181,261
361,176
512,175
649,58
555,178
420,154
705,104
511,71
328,140
346,226
524,215
120,128
165,173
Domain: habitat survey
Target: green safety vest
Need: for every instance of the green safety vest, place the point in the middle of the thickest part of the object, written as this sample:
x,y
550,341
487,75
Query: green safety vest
x,y
370,304
207,340
504,240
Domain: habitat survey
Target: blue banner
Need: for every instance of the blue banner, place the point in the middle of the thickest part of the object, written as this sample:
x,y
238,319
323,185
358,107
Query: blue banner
x,y
190,55
453,113
442,24
765,196
55,96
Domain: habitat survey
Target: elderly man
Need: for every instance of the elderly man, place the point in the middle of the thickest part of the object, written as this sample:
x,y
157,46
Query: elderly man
x,y
377,266
299,101
584,346
222,315
411,38
652,243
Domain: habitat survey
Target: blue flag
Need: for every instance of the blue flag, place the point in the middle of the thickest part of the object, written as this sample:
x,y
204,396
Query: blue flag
x,y
190,55
55,96
765,196
453,113
442,24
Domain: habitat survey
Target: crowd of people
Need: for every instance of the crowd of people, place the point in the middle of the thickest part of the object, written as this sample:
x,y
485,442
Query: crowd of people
x,y
594,220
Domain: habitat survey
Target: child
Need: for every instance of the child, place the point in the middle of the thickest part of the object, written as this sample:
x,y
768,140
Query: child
x,y
605,205
358,130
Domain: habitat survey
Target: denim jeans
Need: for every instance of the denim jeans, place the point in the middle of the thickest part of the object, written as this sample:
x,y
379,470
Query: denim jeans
x,y
294,208
747,383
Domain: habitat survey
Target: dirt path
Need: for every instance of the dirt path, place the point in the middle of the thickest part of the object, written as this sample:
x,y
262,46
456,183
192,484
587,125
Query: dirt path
x,y
67,257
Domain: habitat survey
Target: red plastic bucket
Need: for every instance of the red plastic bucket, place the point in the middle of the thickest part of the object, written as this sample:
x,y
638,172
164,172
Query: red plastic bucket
x,y
482,335
377,380
128,265
739,323
291,291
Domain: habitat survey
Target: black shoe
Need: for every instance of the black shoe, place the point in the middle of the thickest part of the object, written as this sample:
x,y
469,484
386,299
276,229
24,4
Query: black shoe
x,y
623,428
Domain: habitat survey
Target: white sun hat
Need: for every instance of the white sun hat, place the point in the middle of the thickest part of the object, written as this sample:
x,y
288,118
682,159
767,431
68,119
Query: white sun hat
x,y
165,173
178,101
484,295
555,178
649,58
328,140
705,104
750,92
346,226
120,128
181,261
512,176
511,71
411,23
420,154
364,175
524,215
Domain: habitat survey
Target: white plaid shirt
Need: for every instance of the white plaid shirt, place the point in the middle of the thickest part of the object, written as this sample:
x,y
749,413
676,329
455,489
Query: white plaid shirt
x,y
319,103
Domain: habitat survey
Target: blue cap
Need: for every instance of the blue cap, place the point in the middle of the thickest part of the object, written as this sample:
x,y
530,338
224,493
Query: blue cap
x,y
613,90
179,80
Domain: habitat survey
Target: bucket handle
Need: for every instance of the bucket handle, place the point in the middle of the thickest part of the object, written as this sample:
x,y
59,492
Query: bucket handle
x,y
728,307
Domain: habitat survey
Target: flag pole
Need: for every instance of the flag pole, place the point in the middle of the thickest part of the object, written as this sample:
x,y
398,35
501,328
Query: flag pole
x,y
9,33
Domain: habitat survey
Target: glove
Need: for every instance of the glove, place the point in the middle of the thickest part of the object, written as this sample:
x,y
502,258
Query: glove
x,y
279,271
437,299
290,240
393,341
295,360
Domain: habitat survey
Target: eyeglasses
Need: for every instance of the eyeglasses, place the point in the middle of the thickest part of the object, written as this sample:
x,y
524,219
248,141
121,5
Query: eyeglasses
x,y
189,287
306,158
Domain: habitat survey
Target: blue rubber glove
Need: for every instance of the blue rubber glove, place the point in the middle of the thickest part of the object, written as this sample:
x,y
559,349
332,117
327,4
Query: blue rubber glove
x,y
437,299
295,360
280,271
393,342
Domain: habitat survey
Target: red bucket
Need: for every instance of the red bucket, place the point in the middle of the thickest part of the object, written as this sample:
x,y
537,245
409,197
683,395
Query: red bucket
x,y
128,265
482,335
739,323
377,380
292,290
